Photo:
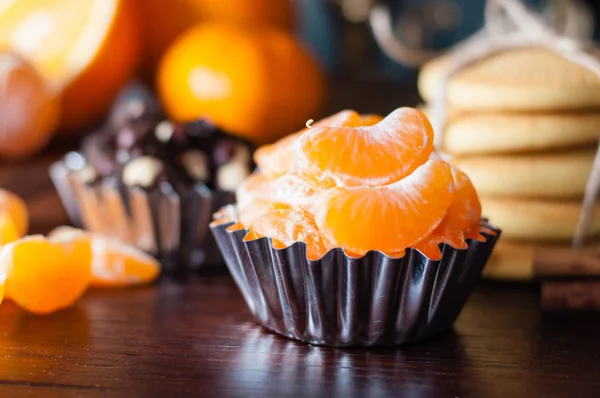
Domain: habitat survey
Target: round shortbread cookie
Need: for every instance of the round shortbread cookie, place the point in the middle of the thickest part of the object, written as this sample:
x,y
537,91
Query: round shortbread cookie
x,y
528,79
493,133
546,176
510,261
531,219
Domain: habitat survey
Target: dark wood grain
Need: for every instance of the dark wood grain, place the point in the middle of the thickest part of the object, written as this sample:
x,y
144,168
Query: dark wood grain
x,y
196,338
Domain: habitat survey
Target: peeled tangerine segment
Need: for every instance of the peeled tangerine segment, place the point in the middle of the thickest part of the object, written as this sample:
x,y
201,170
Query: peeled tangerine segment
x,y
288,188
390,218
114,264
8,230
285,226
278,159
15,208
259,194
463,215
44,276
374,156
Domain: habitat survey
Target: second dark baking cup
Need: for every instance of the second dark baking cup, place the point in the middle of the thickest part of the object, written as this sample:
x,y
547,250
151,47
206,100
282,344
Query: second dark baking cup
x,y
170,226
342,301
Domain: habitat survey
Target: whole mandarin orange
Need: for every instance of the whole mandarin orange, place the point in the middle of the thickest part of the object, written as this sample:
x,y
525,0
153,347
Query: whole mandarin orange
x,y
259,84
29,108
163,20
88,48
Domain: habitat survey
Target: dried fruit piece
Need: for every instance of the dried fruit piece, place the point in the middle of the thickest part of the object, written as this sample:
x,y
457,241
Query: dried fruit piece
x,y
44,276
366,156
15,207
29,109
114,264
390,218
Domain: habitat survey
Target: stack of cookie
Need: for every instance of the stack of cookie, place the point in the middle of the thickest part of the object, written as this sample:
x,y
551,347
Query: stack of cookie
x,y
524,125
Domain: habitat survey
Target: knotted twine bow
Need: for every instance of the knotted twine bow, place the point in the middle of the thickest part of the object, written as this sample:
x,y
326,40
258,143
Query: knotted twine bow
x,y
510,25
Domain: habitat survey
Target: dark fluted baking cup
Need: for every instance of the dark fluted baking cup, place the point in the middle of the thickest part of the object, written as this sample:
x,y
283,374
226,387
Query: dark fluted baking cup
x,y
342,301
173,227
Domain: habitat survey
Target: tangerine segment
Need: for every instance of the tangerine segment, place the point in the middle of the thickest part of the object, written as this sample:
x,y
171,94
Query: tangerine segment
x,y
465,209
447,233
45,276
277,159
391,218
374,156
15,207
288,189
464,212
114,264
258,208
8,230
29,113
287,226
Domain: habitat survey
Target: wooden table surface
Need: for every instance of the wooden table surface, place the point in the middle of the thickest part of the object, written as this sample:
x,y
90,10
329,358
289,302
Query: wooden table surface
x,y
196,338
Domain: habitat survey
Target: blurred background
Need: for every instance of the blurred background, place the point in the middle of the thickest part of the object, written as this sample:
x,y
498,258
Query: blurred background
x,y
258,68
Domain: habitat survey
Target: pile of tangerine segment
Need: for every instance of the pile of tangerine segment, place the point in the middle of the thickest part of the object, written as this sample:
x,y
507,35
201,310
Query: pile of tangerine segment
x,y
360,183
46,274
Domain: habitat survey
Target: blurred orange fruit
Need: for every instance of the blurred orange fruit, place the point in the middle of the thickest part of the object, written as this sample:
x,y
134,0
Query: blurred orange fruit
x,y
44,276
16,209
29,109
259,84
89,48
114,264
8,230
163,20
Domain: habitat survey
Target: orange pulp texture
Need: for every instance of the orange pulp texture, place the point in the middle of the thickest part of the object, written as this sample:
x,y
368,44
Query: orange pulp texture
x,y
373,188
87,48
256,83
29,109
113,264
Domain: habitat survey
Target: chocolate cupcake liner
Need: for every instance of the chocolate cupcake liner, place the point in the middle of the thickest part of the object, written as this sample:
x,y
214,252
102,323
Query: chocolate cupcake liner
x,y
343,301
173,227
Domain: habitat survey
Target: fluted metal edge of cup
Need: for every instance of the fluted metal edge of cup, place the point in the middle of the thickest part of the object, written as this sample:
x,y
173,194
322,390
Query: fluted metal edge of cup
x,y
172,227
342,301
